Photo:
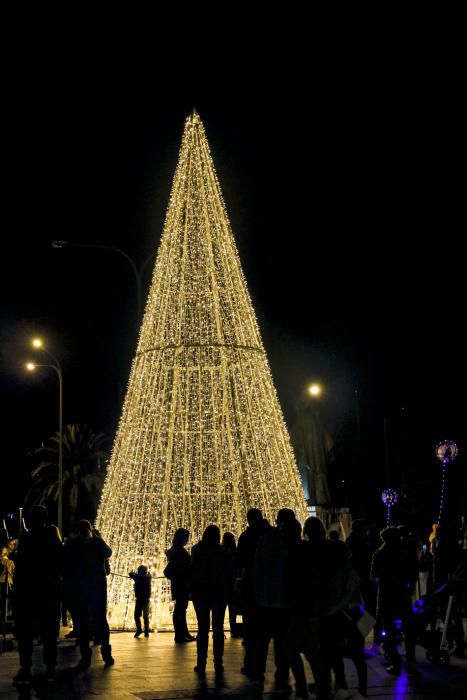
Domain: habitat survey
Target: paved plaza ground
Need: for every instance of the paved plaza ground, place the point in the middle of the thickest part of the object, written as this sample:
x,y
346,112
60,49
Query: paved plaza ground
x,y
156,668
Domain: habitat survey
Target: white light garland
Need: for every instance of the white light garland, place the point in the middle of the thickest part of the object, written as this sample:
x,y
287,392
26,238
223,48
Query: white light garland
x,y
202,438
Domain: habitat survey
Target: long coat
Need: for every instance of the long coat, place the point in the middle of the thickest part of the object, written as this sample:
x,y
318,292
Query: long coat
x,y
178,572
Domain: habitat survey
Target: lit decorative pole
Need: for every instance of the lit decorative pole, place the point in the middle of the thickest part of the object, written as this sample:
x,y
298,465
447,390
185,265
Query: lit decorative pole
x,y
446,452
389,498
56,366
201,438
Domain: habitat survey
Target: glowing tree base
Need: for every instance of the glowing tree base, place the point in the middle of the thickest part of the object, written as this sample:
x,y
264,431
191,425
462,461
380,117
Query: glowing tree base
x,y
202,437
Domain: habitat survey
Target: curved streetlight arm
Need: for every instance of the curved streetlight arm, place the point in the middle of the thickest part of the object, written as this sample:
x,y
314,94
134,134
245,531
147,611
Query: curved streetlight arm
x,y
133,267
57,364
51,366
70,244
137,273
108,247
149,259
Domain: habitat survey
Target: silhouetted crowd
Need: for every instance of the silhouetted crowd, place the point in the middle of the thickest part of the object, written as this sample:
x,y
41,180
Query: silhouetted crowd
x,y
302,594
49,574
315,598
310,595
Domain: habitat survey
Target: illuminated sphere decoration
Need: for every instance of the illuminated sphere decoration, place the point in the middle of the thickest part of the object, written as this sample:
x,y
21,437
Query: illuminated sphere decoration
x,y
201,438
446,451
389,497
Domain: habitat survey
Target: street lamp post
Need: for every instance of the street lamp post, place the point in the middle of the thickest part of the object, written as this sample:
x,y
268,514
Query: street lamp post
x,y
357,413
315,444
137,271
56,366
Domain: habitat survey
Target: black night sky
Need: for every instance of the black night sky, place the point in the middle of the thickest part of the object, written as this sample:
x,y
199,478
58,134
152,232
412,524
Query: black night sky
x,y
346,200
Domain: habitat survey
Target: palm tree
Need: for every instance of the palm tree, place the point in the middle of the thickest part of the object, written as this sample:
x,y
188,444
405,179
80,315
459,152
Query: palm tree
x,y
84,460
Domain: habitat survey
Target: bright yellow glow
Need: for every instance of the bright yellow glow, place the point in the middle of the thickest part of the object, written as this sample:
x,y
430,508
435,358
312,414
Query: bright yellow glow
x,y
30,366
202,437
37,343
314,389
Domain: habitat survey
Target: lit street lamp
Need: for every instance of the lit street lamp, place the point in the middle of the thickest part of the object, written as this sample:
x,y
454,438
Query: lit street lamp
x,y
314,390
138,272
31,366
314,444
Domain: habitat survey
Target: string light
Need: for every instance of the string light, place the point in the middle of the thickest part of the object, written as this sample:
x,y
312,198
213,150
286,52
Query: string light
x,y
202,437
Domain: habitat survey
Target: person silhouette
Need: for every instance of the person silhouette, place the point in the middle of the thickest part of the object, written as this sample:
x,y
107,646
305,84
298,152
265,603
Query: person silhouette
x,y
209,581
142,579
36,584
177,571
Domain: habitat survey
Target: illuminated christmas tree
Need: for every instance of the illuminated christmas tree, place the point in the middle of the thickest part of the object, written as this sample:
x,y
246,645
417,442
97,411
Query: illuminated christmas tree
x,y
202,438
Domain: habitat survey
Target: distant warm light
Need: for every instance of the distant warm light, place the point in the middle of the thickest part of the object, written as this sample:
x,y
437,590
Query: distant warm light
x,y
30,366
37,343
314,389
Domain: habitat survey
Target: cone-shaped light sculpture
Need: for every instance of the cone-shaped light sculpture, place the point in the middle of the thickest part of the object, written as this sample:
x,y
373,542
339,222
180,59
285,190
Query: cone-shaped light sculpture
x,y
202,438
